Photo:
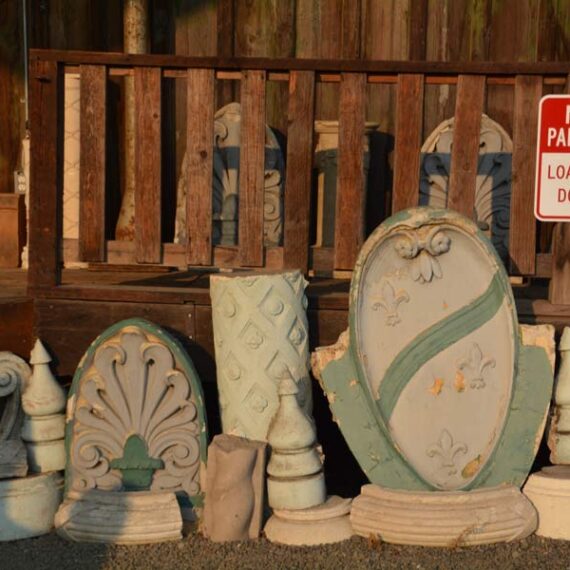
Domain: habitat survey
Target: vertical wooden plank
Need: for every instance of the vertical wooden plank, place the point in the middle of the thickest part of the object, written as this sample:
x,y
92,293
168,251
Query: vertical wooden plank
x,y
465,149
252,169
507,45
350,28
299,166
417,38
46,152
267,29
409,119
148,164
559,291
522,234
92,171
198,32
349,219
225,23
199,152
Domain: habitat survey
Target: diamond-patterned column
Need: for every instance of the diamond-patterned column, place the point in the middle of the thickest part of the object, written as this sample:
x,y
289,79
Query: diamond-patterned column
x,y
261,337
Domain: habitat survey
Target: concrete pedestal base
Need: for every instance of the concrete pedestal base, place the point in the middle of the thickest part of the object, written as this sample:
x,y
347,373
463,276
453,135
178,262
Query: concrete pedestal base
x,y
483,516
324,524
549,492
119,517
28,505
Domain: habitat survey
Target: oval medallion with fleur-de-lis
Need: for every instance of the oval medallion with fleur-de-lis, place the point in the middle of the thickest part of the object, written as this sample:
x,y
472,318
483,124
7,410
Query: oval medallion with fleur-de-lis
x,y
432,381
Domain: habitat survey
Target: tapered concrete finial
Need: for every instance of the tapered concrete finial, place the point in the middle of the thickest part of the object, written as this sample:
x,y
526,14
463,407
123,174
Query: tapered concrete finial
x,y
39,354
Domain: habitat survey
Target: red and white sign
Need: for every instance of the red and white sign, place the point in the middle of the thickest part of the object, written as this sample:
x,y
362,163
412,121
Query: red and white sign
x,y
552,191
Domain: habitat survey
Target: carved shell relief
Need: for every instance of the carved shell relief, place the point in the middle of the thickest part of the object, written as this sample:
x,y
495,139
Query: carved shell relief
x,y
137,418
225,185
493,190
443,324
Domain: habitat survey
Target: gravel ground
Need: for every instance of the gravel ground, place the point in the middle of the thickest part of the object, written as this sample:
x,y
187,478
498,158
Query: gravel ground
x,y
50,551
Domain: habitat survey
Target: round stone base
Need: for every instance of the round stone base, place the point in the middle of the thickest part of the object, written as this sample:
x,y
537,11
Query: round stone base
x,y
28,505
483,516
549,492
324,524
119,517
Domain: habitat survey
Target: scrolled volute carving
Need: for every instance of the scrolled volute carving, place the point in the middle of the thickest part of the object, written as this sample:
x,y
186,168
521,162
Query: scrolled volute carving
x,y
14,374
422,249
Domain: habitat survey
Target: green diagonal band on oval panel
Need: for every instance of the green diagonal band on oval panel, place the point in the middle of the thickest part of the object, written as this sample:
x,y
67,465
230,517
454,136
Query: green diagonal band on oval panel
x,y
435,339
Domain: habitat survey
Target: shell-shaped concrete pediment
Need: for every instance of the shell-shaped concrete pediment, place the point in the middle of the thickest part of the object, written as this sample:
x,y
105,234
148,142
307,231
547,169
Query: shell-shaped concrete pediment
x,y
434,359
136,419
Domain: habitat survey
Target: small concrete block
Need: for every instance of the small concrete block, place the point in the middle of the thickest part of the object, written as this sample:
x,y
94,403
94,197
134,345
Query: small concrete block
x,y
235,488
326,524
449,519
549,492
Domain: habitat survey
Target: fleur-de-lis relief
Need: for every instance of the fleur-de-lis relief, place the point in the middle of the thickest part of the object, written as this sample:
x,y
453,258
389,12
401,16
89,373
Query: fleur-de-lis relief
x,y
474,367
422,251
446,449
389,301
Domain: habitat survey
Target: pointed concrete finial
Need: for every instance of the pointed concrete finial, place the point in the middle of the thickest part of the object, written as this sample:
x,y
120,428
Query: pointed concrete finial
x,y
39,354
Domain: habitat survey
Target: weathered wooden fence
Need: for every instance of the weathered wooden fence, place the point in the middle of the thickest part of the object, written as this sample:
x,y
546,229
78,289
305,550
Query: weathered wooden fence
x,y
526,81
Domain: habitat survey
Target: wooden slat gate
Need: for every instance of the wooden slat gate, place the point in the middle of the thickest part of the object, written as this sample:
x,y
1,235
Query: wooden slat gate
x,y
410,79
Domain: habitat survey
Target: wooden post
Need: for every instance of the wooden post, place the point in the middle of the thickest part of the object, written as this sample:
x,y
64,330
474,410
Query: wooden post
x,y
409,120
148,164
252,169
135,22
350,199
465,149
199,150
92,170
46,155
299,165
522,234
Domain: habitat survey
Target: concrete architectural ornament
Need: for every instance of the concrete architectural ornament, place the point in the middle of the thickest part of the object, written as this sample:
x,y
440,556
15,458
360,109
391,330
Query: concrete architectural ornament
x,y
493,191
456,362
326,523
302,514
28,502
559,437
549,489
235,488
132,517
225,191
261,337
14,373
43,401
135,423
448,519
441,391
295,470
326,165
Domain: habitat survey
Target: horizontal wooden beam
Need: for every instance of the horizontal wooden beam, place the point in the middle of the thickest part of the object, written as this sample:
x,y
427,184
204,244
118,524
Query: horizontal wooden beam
x,y
492,68
329,77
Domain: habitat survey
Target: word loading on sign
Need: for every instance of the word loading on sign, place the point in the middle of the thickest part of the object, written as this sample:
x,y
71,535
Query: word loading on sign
x,y
552,189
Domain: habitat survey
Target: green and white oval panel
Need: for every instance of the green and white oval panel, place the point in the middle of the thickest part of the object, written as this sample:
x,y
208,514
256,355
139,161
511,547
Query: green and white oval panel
x,y
432,387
